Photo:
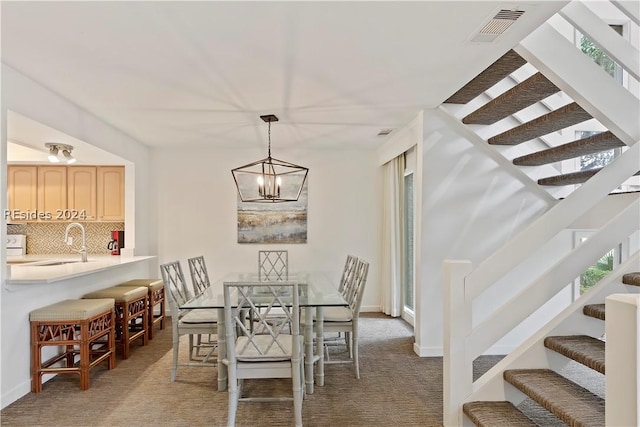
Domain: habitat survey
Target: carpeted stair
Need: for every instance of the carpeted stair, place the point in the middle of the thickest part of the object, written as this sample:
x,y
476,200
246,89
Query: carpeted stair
x,y
565,399
524,94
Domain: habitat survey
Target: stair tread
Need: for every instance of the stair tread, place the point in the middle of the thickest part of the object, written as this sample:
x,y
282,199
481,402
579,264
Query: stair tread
x,y
631,279
519,97
561,118
568,401
594,310
501,68
496,414
571,178
582,348
580,147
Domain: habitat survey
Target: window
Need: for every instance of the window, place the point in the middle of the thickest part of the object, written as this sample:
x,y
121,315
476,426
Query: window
x,y
595,160
592,275
600,57
408,239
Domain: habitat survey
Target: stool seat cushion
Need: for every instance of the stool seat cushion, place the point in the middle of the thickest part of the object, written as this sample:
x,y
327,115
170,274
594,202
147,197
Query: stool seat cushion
x,y
153,284
119,293
72,309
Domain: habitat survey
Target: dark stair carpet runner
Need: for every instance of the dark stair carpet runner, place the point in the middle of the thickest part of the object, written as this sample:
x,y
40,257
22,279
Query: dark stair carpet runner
x,y
505,65
521,96
496,414
563,117
571,403
593,144
572,178
526,93
563,398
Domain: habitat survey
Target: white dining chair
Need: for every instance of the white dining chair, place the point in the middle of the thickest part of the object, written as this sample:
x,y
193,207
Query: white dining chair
x,y
187,322
200,283
347,272
199,274
346,281
273,265
345,319
265,350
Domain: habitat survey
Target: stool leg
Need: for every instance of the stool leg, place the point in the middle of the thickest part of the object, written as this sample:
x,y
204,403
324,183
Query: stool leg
x,y
162,311
85,359
124,338
147,328
36,359
112,342
150,314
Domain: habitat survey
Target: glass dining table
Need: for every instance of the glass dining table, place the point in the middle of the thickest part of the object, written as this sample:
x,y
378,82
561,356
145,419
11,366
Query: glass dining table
x,y
321,292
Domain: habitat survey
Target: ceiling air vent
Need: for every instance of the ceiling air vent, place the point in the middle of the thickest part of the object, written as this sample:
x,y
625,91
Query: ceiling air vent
x,y
385,132
497,25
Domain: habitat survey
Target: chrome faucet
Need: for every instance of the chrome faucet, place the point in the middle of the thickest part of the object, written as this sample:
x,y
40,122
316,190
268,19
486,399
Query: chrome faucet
x,y
83,248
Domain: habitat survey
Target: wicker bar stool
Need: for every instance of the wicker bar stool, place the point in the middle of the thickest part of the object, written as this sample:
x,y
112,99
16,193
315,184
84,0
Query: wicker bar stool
x,y
156,300
84,328
131,314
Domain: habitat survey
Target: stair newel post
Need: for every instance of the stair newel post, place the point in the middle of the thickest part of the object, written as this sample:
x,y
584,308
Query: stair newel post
x,y
622,353
457,370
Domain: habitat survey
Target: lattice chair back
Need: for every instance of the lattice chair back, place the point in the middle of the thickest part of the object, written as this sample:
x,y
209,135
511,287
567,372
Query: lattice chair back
x,y
199,275
354,295
265,341
174,283
347,273
273,266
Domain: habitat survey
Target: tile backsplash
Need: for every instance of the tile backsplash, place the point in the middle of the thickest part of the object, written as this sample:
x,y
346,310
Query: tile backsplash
x,y
48,237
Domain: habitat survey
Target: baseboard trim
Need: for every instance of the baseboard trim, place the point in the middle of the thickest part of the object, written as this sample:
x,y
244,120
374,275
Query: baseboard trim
x,y
427,351
439,351
15,393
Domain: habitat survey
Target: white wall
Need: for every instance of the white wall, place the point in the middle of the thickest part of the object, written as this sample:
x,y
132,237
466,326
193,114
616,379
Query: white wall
x,y
26,97
196,204
469,208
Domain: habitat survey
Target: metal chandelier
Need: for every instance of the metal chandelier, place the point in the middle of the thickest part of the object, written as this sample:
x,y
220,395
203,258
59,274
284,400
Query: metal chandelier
x,y
270,180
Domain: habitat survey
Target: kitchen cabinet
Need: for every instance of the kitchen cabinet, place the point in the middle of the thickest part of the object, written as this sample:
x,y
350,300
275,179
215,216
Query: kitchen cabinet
x,y
65,193
82,192
22,192
52,191
110,193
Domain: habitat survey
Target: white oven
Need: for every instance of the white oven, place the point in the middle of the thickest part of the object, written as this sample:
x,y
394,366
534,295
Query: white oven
x,y
16,244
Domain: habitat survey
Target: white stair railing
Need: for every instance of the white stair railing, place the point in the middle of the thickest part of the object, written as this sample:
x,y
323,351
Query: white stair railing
x,y
622,353
463,342
552,222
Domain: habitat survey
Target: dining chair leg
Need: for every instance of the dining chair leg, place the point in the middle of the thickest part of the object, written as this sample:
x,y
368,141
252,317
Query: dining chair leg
x,y
233,396
176,344
354,346
297,396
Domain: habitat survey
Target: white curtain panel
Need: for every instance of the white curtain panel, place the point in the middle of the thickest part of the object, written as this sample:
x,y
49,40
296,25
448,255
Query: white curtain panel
x,y
393,191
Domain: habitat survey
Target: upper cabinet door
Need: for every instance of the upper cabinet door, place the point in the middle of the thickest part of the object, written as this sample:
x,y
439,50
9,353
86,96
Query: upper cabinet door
x,y
110,193
52,191
82,192
22,191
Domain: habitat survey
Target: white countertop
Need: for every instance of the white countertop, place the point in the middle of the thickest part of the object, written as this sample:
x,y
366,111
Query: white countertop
x,y
32,269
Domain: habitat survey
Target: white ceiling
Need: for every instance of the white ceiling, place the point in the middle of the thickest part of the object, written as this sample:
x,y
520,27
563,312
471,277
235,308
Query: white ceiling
x,y
201,73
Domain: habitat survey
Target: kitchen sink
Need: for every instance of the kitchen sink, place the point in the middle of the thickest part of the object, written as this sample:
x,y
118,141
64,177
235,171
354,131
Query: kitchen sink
x,y
50,262
55,263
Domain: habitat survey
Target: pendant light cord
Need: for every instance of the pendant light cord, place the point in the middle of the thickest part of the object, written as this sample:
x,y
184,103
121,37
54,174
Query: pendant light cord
x,y
269,151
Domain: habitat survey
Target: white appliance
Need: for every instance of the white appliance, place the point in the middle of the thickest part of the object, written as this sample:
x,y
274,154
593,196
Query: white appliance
x,y
16,244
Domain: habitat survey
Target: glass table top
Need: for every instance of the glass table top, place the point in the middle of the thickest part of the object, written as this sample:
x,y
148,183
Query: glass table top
x,y
315,289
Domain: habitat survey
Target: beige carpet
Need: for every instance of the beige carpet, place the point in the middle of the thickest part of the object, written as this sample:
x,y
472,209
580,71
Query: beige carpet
x,y
396,388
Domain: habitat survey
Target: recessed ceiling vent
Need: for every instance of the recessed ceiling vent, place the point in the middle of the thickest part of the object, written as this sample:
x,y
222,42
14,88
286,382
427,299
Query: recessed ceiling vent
x,y
497,25
385,132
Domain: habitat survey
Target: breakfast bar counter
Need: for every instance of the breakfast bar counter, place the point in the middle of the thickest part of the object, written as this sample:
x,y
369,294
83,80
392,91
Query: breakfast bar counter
x,y
48,269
